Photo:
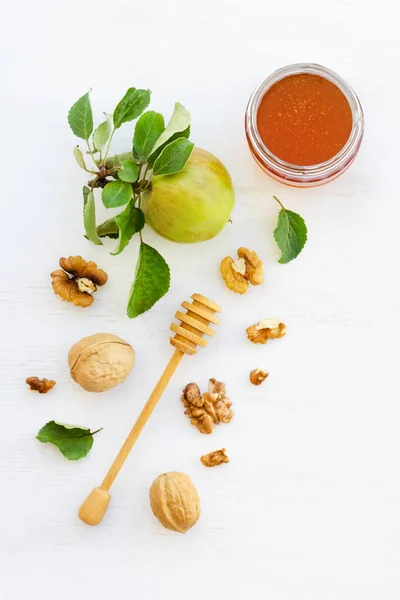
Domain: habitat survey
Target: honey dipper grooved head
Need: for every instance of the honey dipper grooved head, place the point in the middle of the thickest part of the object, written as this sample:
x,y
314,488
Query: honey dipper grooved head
x,y
194,324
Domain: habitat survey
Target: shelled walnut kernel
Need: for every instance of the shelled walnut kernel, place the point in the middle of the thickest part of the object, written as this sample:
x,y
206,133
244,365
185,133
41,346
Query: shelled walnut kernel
x,y
215,458
77,280
238,273
206,410
257,376
264,330
40,385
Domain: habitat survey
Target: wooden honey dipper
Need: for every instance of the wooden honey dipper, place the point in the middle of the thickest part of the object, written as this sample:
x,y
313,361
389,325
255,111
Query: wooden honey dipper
x,y
188,335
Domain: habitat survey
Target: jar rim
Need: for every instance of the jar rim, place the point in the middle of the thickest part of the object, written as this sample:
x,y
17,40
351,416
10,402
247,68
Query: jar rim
x,y
305,173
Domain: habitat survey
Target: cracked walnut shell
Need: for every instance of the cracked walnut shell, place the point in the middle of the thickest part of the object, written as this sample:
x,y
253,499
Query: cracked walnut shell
x,y
40,385
77,280
101,361
174,501
238,273
213,459
264,330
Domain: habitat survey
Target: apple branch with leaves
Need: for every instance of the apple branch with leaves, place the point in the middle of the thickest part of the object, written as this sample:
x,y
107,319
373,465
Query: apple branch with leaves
x,y
156,150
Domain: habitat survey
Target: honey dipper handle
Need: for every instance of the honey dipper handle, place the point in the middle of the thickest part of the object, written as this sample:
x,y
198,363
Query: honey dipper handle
x,y
142,420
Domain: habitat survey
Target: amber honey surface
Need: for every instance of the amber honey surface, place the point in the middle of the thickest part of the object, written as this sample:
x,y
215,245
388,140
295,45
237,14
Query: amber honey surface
x,y
304,119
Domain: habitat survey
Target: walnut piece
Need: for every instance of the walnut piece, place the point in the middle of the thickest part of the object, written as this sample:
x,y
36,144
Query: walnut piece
x,y
78,280
203,422
215,458
254,271
217,387
234,279
193,395
40,385
238,273
211,408
264,330
257,376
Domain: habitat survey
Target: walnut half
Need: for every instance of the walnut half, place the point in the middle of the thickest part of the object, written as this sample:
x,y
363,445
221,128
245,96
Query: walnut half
x,y
264,330
238,273
215,458
77,280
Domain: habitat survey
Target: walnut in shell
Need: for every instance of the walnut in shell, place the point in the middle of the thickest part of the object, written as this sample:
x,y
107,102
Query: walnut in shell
x,y
78,280
264,330
238,273
101,361
174,501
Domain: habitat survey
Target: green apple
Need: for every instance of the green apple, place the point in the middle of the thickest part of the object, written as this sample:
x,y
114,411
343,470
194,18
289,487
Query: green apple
x,y
193,205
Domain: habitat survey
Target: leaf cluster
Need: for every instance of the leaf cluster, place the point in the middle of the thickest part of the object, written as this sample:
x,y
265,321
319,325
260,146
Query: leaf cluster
x,y
157,149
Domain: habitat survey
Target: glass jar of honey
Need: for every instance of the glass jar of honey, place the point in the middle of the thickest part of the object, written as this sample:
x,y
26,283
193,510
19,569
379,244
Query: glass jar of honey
x,y
304,125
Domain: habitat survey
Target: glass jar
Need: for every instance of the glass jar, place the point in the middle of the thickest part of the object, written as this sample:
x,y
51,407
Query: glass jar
x,y
310,175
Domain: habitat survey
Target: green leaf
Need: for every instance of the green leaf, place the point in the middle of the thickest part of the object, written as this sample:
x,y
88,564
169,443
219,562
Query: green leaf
x,y
131,106
80,118
154,155
129,222
79,158
89,216
178,123
151,283
147,131
130,171
101,135
108,229
116,193
73,442
174,157
85,191
290,234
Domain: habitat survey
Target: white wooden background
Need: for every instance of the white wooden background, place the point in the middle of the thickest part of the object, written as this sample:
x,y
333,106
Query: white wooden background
x,y
308,508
